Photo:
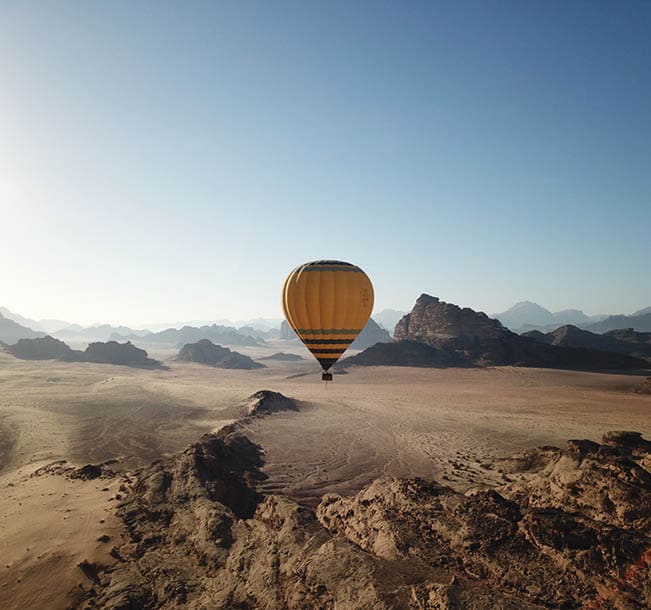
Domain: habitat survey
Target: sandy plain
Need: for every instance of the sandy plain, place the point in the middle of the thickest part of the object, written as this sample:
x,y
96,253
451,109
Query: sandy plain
x,y
444,424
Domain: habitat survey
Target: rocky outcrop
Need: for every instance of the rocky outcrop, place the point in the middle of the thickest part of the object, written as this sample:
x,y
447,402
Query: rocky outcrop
x,y
371,334
481,341
44,348
206,352
265,402
200,535
442,325
112,352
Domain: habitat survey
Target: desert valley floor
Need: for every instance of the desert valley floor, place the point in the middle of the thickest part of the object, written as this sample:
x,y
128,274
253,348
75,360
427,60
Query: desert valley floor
x,y
443,424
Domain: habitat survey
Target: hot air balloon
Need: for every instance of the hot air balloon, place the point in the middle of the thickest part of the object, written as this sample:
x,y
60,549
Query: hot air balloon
x,y
327,303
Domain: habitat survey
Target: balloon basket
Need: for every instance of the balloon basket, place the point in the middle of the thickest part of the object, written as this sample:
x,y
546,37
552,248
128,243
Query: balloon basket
x,y
326,377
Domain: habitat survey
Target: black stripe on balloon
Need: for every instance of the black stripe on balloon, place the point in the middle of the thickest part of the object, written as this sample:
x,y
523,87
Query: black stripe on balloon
x,y
326,341
326,363
317,350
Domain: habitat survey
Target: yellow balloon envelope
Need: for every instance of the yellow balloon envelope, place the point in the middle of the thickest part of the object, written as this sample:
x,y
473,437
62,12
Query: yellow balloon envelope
x,y
327,303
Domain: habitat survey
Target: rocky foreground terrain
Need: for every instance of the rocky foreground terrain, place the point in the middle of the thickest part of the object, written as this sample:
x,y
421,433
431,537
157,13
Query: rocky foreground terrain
x,y
569,528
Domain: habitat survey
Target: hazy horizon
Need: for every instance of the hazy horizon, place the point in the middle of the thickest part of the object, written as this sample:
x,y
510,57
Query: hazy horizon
x,y
160,162
153,324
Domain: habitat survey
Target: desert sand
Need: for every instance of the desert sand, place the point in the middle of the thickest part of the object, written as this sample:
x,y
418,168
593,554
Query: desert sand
x,y
443,424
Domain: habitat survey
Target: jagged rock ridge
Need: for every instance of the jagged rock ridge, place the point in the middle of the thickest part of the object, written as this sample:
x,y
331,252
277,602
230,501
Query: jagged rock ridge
x,y
200,535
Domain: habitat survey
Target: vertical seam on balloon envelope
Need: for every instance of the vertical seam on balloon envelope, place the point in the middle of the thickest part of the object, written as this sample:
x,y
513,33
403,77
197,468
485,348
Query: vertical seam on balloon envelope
x,y
347,278
317,309
305,317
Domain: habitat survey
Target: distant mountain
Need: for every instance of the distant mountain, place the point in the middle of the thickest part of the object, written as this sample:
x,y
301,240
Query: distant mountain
x,y
523,313
370,335
263,324
527,316
619,341
472,338
99,332
50,326
37,325
257,333
192,334
16,317
388,318
283,356
11,331
641,312
206,352
571,316
286,331
639,323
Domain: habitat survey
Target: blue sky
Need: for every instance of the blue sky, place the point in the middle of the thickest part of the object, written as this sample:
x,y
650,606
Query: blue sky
x,y
169,161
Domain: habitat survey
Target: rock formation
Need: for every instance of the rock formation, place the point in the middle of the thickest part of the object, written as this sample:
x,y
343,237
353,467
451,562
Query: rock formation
x,y
265,402
206,352
200,536
44,348
481,341
113,352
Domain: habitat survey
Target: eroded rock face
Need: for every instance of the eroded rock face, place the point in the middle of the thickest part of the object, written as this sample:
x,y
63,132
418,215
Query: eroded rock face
x,y
202,537
436,323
